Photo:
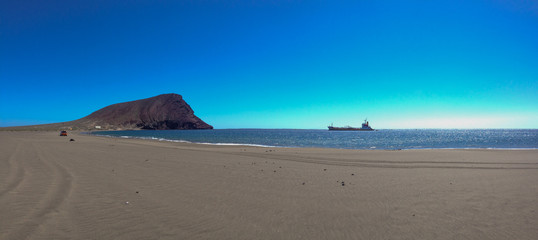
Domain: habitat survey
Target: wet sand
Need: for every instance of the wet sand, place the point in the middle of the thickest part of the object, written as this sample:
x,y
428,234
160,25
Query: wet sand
x,y
110,188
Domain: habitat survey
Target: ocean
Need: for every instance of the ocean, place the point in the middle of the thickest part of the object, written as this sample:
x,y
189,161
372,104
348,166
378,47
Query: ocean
x,y
389,139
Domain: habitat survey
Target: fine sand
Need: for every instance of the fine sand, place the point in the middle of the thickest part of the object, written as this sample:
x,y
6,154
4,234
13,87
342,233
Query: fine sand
x,y
110,188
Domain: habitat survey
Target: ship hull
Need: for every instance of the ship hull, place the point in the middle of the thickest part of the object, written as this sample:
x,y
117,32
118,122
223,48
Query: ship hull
x,y
349,129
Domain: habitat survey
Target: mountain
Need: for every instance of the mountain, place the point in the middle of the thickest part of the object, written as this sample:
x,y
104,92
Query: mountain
x,y
162,112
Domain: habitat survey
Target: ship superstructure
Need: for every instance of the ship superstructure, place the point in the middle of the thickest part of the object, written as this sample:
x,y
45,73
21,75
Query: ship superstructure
x,y
365,127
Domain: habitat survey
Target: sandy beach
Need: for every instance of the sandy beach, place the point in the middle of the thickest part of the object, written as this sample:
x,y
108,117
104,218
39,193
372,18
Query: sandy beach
x,y
112,188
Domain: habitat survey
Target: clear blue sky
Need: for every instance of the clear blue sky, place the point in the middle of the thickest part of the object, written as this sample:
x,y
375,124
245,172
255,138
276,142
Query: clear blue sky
x,y
276,64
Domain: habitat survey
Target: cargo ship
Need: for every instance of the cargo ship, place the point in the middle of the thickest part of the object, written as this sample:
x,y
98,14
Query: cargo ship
x,y
365,127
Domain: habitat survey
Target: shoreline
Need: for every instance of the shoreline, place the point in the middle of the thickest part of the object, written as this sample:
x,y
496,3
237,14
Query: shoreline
x,y
99,187
271,146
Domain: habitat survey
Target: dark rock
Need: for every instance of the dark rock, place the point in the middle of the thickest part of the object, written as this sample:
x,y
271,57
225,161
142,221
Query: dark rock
x,y
166,111
162,112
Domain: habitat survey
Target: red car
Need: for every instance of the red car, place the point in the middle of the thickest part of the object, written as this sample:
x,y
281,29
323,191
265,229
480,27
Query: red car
x,y
63,133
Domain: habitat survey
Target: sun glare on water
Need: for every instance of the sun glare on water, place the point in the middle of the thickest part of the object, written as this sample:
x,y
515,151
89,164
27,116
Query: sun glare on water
x,y
456,123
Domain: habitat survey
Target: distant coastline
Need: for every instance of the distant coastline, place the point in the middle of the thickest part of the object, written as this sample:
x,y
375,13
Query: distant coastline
x,y
165,111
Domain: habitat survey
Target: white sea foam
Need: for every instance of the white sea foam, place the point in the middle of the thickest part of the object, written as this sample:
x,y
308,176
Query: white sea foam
x,y
382,140
184,141
236,144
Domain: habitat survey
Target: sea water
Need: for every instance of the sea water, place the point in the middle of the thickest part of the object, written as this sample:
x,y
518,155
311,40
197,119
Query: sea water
x,y
380,139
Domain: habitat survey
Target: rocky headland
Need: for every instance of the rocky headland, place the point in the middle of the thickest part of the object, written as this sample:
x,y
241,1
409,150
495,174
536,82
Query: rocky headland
x,y
162,112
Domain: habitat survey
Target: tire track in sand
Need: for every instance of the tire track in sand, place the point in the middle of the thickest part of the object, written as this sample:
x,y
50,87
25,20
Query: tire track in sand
x,y
57,191
16,172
